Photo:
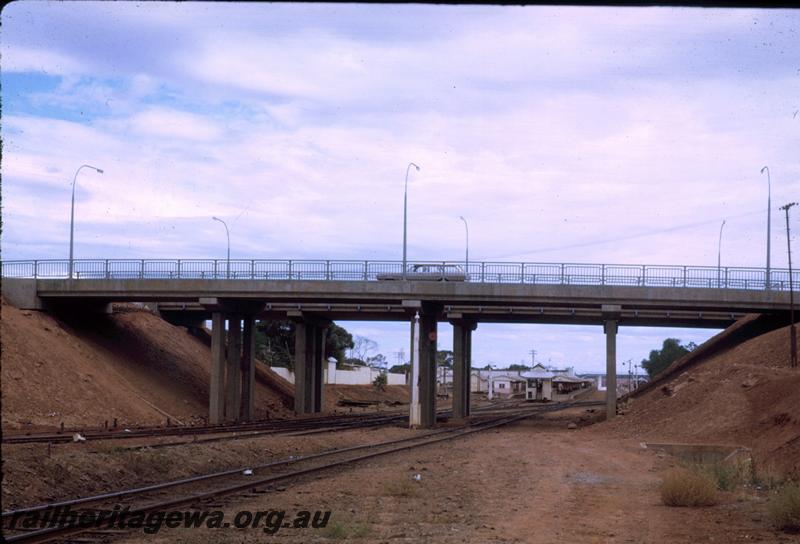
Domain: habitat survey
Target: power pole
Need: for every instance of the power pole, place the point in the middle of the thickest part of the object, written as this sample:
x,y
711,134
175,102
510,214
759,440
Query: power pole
x,y
533,357
792,331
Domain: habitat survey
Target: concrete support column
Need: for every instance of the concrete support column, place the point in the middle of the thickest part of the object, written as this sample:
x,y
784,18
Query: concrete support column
x,y
233,386
610,328
427,366
248,369
414,419
309,357
303,358
216,397
318,381
462,358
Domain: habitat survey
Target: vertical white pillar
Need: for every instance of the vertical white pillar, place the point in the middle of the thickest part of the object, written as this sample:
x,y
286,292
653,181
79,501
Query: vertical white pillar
x,y
415,414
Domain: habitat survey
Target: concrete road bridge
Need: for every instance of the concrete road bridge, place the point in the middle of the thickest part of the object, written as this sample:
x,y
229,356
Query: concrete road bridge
x,y
313,293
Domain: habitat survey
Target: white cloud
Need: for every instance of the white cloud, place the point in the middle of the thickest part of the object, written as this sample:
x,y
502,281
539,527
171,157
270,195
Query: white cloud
x,y
560,133
36,59
171,124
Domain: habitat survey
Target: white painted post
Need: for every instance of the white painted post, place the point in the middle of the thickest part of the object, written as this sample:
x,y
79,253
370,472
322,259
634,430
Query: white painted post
x,y
415,415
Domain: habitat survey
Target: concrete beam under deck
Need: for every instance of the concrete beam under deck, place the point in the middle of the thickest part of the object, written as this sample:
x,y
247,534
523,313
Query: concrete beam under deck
x,y
446,293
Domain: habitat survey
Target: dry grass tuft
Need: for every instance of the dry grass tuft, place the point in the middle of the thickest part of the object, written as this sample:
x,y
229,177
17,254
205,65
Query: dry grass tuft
x,y
684,487
400,488
784,508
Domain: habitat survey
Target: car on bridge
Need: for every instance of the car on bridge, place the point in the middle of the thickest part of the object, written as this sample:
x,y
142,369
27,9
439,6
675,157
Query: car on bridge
x,y
428,272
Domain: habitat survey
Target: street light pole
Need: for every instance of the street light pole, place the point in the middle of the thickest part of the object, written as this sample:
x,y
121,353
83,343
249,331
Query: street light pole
x,y
72,214
405,216
719,255
466,265
792,331
769,218
228,234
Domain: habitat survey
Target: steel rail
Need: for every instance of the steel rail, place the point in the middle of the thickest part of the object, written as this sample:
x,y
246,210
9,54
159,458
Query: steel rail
x,y
44,535
255,428
95,498
275,424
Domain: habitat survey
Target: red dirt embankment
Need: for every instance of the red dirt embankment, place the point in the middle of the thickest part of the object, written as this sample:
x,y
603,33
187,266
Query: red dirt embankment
x,y
743,394
86,370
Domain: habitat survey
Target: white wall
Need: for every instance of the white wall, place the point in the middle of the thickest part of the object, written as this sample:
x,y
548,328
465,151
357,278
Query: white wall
x,y
360,376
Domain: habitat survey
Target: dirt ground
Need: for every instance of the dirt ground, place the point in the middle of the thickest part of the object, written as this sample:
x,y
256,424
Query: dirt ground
x,y
746,396
532,482
131,365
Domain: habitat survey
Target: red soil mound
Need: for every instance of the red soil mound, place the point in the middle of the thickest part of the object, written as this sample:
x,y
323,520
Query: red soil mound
x,y
742,395
85,370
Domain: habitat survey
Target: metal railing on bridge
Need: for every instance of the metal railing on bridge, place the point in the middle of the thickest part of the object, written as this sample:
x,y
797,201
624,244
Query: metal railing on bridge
x,y
350,270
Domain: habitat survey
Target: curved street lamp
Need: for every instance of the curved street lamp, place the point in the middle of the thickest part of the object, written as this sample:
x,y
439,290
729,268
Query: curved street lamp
x,y
769,215
228,234
466,265
719,254
405,215
72,214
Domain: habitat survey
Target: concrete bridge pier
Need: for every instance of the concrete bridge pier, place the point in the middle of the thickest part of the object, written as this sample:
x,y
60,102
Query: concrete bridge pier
x,y
248,369
610,325
232,377
216,399
423,361
462,358
309,359
233,382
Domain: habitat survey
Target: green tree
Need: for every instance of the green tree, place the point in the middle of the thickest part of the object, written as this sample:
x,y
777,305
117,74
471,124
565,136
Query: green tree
x,y
444,358
670,351
337,342
377,361
380,382
400,369
275,342
518,367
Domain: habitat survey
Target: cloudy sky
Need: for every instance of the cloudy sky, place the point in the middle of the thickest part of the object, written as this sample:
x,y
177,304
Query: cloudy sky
x,y
562,134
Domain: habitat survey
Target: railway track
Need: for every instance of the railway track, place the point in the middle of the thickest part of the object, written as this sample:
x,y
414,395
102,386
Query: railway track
x,y
306,425
197,492
150,432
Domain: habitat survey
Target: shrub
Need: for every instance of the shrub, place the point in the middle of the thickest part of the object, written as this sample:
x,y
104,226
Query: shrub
x,y
684,487
729,476
400,488
784,508
380,381
767,475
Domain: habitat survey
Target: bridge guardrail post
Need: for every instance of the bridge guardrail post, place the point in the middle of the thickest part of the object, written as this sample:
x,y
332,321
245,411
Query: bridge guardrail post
x,y
290,269
483,272
252,269
726,277
562,273
106,269
141,270
35,269
684,276
328,270
522,272
641,279
366,270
